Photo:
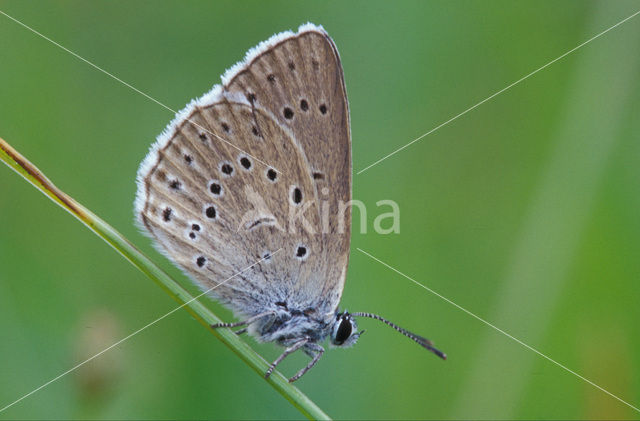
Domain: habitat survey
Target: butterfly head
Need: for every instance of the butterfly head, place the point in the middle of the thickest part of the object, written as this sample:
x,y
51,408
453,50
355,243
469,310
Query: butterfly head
x,y
344,330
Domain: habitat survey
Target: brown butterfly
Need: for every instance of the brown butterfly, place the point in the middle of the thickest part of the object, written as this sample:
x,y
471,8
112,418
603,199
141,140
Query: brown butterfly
x,y
248,190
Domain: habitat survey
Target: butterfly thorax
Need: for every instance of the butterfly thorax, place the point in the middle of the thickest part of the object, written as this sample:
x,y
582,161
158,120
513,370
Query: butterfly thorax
x,y
288,326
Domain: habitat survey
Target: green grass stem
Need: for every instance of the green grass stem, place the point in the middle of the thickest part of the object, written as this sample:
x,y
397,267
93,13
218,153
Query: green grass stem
x,y
205,316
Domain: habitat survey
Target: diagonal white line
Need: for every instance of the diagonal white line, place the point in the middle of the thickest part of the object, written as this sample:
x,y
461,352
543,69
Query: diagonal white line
x,y
498,329
95,66
131,335
496,94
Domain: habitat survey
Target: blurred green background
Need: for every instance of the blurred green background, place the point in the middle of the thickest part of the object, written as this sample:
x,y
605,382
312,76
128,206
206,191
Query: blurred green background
x,y
525,211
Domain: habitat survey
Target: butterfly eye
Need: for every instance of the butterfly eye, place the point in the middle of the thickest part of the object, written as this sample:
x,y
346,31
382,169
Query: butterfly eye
x,y
344,331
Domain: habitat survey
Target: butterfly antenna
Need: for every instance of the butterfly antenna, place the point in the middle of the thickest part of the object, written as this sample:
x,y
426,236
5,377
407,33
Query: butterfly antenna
x,y
424,342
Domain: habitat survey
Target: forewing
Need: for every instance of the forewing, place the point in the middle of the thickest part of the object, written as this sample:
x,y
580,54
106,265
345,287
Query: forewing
x,y
215,210
298,79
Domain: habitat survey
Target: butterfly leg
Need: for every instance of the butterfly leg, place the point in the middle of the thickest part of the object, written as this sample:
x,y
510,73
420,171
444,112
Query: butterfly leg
x,y
311,348
244,322
293,348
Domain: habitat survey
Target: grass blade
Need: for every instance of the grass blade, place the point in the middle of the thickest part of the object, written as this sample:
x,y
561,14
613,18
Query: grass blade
x,y
206,317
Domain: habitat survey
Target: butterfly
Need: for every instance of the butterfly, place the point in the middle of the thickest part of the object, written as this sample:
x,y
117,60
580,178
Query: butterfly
x,y
248,191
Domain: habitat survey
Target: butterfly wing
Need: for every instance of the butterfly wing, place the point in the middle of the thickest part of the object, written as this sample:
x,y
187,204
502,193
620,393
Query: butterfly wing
x,y
218,189
298,79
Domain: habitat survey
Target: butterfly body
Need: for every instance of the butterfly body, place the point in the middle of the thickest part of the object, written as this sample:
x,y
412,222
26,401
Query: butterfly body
x,y
288,326
248,191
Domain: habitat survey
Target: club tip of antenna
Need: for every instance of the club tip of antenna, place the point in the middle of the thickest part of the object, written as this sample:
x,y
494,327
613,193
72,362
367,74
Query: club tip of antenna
x,y
439,353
